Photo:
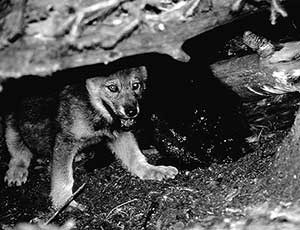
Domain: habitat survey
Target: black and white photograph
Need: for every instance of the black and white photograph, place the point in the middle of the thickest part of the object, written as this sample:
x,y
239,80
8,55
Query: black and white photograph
x,y
149,114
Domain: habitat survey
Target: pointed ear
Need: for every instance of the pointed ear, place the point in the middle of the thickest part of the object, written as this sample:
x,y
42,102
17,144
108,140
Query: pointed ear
x,y
92,85
143,72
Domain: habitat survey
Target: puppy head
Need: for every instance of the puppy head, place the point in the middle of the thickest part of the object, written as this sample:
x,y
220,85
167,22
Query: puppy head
x,y
118,94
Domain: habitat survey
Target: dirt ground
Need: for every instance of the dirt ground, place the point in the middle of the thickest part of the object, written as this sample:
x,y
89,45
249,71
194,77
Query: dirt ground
x,y
220,188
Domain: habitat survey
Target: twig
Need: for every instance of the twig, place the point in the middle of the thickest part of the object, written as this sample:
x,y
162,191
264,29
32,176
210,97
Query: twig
x,y
120,205
90,9
71,198
276,8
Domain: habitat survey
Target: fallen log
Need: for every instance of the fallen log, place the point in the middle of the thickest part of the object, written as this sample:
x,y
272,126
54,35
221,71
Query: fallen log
x,y
273,69
60,36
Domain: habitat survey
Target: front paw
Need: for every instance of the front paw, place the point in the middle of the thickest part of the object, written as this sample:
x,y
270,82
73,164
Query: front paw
x,y
159,173
16,175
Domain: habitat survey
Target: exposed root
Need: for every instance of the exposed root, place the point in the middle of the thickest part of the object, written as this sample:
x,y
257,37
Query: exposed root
x,y
276,9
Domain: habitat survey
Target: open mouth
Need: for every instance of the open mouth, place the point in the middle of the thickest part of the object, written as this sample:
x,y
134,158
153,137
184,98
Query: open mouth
x,y
127,123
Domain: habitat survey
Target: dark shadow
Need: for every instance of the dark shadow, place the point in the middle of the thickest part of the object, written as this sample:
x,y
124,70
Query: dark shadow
x,y
195,120
101,157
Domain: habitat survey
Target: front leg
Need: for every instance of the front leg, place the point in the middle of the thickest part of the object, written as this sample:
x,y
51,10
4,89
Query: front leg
x,y
62,180
127,150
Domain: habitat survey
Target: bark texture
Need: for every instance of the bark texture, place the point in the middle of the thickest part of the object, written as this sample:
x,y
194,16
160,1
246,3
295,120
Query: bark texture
x,y
58,36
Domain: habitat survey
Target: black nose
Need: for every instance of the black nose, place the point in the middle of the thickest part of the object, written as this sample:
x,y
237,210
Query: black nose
x,y
131,111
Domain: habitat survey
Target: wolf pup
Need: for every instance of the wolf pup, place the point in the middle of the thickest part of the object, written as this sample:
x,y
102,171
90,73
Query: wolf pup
x,y
104,109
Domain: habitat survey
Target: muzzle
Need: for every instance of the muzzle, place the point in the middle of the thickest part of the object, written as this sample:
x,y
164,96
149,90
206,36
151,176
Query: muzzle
x,y
128,119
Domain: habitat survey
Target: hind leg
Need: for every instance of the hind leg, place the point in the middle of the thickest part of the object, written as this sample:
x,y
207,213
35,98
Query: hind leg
x,y
17,172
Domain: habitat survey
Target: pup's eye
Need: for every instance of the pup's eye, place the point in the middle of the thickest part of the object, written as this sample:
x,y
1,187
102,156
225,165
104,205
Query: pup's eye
x,y
113,88
135,85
